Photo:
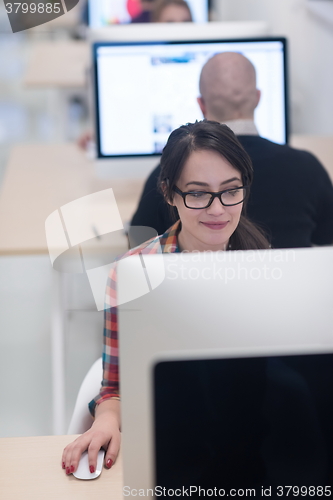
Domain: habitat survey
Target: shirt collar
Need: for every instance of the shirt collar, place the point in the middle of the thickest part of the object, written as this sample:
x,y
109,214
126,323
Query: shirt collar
x,y
169,240
242,127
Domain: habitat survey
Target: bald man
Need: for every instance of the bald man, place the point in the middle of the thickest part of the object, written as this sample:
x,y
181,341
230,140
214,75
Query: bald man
x,y
228,89
291,196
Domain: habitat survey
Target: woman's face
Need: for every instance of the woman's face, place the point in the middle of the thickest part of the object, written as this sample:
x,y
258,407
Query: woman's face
x,y
174,14
208,228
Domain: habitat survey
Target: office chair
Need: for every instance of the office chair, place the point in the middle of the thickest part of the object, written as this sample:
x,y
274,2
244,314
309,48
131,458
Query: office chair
x,y
81,419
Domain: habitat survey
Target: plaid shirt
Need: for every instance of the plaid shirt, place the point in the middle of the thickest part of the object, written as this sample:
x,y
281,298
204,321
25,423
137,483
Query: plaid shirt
x,y
166,243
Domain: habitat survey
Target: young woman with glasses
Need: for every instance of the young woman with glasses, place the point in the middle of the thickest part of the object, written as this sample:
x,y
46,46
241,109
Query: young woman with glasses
x,y
206,175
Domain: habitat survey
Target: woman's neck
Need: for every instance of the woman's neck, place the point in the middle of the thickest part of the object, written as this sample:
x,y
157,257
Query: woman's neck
x,y
187,242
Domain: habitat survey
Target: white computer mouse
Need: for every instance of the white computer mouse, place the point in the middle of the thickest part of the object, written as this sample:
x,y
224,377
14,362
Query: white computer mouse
x,y
83,472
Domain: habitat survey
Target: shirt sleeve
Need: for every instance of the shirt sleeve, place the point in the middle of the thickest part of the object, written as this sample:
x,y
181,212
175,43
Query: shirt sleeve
x,y
110,382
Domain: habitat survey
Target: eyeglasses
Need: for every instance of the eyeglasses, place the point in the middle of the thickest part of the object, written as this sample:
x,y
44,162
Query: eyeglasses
x,y
203,199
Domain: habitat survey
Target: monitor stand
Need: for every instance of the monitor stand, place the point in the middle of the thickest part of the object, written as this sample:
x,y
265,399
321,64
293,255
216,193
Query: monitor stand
x,y
127,168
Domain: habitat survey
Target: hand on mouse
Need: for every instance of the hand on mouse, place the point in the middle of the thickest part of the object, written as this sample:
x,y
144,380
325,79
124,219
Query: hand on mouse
x,y
104,433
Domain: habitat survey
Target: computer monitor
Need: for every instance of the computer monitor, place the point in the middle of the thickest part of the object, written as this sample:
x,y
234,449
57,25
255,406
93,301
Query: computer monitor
x,y
216,30
258,306
244,423
107,12
144,90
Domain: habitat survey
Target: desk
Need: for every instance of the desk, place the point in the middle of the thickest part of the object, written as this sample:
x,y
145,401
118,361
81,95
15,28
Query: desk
x,y
58,64
320,146
38,181
30,469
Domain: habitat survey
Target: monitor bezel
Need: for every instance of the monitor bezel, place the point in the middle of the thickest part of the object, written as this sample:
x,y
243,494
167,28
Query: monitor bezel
x,y
97,45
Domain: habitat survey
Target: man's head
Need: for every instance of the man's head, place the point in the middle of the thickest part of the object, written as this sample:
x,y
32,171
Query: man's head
x,y
228,88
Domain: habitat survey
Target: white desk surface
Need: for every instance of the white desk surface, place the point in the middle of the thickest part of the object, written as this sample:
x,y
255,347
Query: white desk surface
x,y
30,469
58,64
40,179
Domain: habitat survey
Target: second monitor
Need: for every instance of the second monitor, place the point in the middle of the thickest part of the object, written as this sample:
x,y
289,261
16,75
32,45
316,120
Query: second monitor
x,y
105,12
144,90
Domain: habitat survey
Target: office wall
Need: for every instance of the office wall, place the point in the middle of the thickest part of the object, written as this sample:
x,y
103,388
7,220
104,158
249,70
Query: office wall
x,y
310,56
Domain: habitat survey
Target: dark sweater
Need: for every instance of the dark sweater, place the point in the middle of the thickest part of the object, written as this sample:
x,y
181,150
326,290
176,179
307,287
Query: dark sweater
x,y
144,17
291,196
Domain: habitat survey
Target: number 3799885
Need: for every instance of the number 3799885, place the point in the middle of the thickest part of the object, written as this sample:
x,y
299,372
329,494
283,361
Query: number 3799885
x,y
312,491
33,8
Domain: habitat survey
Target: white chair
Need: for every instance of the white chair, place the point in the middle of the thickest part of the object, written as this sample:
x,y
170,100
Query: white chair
x,y
81,419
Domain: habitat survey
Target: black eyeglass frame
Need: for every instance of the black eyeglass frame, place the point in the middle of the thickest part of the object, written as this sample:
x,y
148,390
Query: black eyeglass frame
x,y
213,196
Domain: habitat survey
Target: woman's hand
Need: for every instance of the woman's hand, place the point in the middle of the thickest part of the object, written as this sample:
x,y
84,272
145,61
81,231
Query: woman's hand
x,y
104,433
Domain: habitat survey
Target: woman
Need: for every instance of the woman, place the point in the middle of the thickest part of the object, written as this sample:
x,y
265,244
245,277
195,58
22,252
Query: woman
x,y
206,175
171,11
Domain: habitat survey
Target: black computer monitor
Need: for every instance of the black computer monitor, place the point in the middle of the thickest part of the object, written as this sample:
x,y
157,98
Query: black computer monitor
x,y
236,424
102,13
144,90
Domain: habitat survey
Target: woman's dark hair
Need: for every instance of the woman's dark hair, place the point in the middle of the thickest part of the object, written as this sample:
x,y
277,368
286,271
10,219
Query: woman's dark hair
x,y
211,136
162,4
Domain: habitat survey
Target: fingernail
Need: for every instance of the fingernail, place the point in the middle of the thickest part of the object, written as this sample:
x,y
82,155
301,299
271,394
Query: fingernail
x,y
67,470
109,463
63,465
72,468
92,469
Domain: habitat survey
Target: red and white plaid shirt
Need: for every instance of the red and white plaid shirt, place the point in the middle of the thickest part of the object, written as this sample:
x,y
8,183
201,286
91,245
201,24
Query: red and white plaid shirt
x,y
166,243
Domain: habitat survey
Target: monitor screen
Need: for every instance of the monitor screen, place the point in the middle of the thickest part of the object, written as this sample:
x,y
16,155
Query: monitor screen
x,y
144,90
102,13
250,424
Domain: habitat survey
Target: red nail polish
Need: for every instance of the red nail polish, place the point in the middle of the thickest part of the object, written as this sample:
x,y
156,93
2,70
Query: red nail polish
x,y
67,470
92,469
63,465
109,463
72,468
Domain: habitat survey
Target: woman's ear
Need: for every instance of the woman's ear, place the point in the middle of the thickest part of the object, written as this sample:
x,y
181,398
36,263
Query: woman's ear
x,y
202,105
164,187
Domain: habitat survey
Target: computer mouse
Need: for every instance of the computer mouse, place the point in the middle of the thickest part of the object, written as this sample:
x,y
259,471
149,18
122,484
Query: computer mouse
x,y
83,472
